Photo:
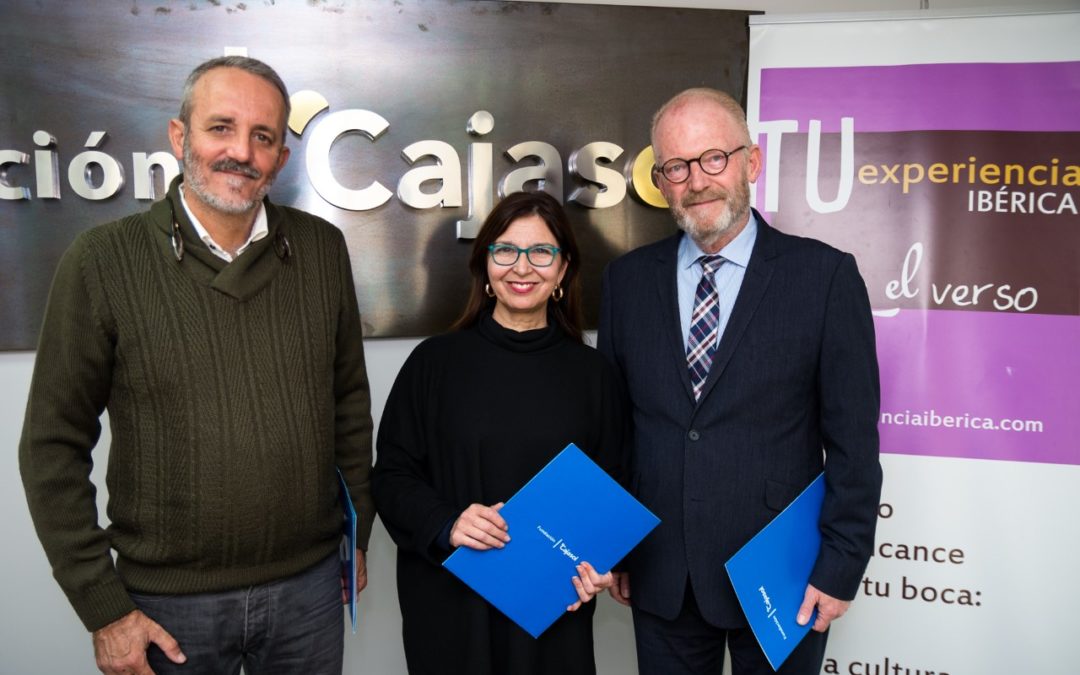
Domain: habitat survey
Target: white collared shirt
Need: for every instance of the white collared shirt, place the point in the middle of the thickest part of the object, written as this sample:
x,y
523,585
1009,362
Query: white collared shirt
x,y
259,229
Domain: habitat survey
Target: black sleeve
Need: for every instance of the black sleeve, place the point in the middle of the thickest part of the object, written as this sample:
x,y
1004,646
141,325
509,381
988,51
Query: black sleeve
x,y
410,507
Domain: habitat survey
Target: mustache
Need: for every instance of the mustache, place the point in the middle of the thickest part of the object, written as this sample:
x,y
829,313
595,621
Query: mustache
x,y
237,167
705,195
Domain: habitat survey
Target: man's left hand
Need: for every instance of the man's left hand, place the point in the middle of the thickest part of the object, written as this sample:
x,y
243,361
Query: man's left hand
x,y
361,571
828,609
361,577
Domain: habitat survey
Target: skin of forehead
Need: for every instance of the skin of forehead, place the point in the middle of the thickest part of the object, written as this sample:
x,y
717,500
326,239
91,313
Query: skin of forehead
x,y
690,111
215,80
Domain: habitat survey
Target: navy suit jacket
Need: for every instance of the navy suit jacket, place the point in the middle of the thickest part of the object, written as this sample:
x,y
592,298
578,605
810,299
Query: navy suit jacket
x,y
793,389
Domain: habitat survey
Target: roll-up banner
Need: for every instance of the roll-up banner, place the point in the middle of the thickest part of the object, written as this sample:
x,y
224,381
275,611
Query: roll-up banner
x,y
944,152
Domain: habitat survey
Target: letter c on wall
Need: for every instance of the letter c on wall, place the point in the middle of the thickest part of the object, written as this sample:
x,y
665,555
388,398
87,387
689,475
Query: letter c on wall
x,y
322,178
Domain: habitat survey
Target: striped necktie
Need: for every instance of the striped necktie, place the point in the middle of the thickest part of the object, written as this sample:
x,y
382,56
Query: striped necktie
x,y
704,324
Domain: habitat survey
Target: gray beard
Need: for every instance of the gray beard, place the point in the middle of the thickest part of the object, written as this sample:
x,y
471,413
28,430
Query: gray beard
x,y
706,234
195,180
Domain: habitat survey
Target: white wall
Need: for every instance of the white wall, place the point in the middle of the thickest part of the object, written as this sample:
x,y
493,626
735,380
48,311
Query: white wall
x,y
39,632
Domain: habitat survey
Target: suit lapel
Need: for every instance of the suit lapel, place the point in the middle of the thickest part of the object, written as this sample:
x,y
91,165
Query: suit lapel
x,y
758,274
666,260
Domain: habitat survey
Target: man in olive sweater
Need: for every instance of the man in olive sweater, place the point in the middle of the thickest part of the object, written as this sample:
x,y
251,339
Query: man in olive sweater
x,y
222,334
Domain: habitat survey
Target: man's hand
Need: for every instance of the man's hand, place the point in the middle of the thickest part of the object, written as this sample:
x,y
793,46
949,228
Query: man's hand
x,y
588,583
828,609
620,588
361,571
361,577
120,647
480,527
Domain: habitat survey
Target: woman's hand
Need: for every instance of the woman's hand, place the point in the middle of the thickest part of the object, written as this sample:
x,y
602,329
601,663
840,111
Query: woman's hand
x,y
480,527
588,583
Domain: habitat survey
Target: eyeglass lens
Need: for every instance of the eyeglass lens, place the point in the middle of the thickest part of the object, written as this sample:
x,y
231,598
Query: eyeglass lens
x,y
712,162
538,256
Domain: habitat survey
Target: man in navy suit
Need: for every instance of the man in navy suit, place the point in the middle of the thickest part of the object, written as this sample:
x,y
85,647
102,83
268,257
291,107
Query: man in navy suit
x,y
749,359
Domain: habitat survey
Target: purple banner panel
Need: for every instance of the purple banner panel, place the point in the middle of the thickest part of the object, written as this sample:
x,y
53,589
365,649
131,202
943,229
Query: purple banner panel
x,y
924,97
980,385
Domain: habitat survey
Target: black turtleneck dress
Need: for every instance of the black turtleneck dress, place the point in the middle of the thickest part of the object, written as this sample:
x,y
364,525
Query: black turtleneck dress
x,y
472,417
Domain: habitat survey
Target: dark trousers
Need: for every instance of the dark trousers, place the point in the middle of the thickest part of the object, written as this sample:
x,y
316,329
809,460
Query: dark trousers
x,y
289,626
688,645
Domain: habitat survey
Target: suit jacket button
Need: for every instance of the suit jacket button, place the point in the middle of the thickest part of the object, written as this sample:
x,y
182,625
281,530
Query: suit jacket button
x,y
693,435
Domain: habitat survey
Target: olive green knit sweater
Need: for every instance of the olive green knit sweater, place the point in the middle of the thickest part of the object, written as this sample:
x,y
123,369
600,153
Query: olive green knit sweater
x,y
233,391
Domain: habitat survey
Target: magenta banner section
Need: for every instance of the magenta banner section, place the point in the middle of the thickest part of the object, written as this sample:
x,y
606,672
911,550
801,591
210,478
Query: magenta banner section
x,y
936,96
980,385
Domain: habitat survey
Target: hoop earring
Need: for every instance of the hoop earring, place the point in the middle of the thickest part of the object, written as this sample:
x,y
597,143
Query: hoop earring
x,y
558,293
487,291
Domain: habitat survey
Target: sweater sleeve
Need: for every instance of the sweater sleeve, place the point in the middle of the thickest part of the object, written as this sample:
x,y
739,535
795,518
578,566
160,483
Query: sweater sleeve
x,y
413,512
352,414
68,392
612,451
620,399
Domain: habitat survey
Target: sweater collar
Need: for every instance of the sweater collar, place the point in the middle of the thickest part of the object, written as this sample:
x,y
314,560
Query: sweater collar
x,y
259,229
537,340
240,279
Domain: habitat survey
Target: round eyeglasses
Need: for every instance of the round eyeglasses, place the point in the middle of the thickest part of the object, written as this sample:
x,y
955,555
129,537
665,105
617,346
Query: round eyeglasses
x,y
712,162
541,255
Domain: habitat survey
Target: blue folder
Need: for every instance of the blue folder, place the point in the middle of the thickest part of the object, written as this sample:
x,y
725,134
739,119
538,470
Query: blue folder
x,y
347,550
569,512
771,571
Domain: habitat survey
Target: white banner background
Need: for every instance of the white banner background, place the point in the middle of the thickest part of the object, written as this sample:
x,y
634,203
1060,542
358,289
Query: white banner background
x,y
1014,522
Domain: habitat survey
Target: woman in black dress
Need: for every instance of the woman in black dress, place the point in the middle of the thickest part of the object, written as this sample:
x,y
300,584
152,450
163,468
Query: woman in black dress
x,y
472,416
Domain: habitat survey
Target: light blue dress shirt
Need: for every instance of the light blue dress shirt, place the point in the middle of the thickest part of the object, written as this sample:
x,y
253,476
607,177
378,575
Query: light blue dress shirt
x,y
728,278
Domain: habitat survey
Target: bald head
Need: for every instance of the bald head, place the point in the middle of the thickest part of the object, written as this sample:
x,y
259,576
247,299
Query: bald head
x,y
726,107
